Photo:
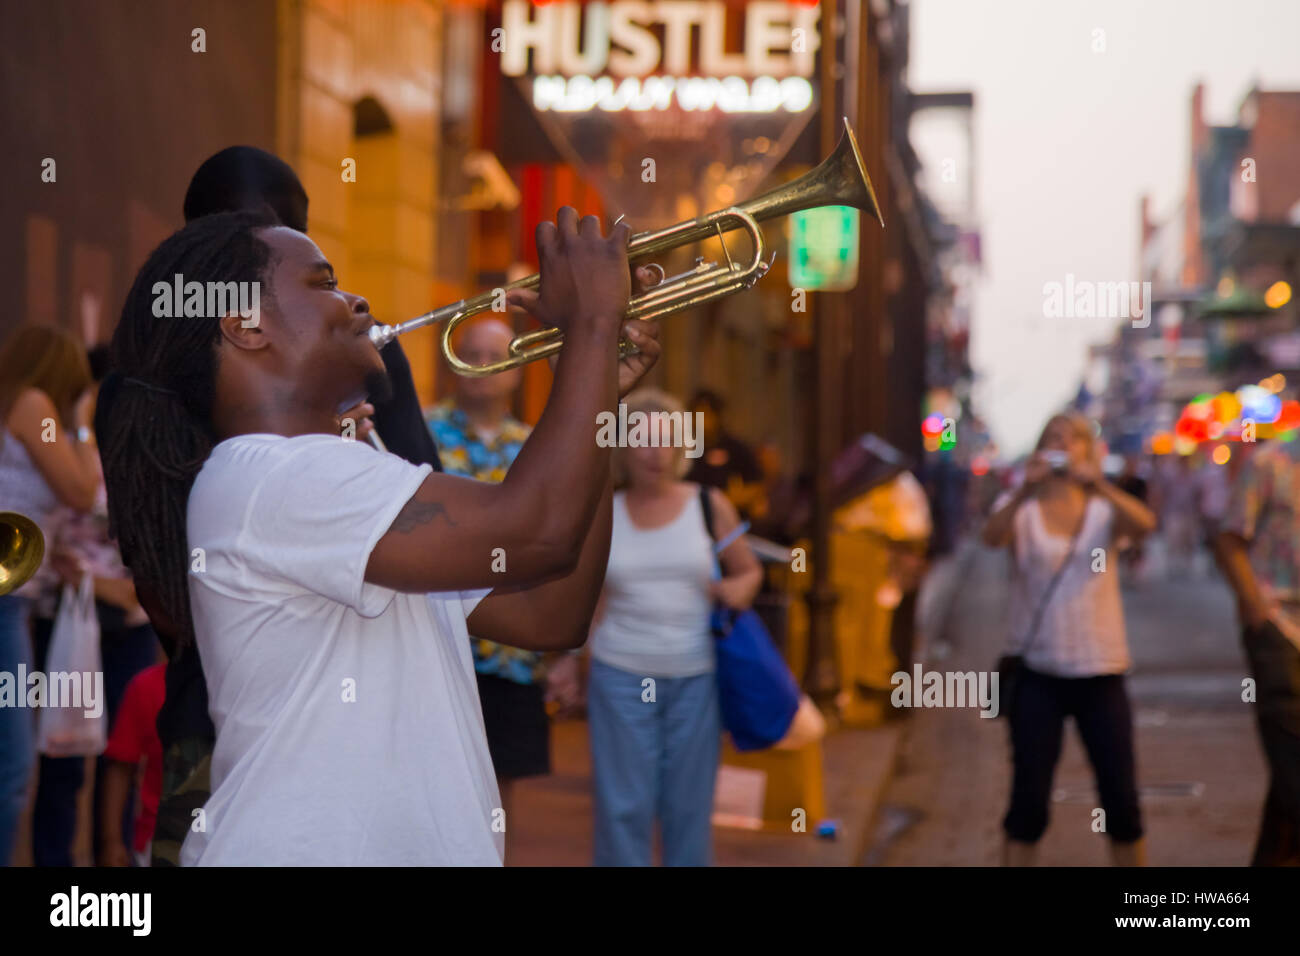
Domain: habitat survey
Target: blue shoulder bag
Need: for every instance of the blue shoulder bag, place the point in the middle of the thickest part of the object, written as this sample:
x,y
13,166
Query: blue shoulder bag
x,y
756,691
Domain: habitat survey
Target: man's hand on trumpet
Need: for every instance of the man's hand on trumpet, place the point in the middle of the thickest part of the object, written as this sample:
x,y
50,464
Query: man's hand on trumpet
x,y
644,335
632,367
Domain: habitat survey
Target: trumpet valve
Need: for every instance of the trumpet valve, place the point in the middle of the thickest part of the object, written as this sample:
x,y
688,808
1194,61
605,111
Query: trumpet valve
x,y
701,267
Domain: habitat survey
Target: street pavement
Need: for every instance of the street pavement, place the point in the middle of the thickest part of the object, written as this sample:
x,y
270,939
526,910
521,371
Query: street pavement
x,y
1200,768
551,818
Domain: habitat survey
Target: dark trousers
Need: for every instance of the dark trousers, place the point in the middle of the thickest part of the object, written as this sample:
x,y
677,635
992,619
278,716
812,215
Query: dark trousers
x,y
1275,665
124,654
1101,711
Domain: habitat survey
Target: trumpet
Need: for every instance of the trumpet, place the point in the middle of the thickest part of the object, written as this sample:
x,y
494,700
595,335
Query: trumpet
x,y
840,180
22,546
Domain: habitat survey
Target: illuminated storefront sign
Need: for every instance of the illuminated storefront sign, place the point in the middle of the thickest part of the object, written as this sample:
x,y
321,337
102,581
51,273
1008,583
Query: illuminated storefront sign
x,y
644,55
731,94
824,248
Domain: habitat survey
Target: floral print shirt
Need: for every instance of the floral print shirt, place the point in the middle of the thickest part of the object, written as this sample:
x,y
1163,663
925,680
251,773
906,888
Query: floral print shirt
x,y
485,458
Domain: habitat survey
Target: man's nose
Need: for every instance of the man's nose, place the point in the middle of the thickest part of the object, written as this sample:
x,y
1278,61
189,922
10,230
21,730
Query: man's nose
x,y
358,303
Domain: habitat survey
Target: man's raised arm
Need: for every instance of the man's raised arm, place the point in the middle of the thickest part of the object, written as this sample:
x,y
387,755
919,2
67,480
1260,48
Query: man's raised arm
x,y
459,534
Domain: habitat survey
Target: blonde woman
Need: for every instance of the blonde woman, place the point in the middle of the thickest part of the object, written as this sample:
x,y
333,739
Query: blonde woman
x,y
653,699
46,460
1067,625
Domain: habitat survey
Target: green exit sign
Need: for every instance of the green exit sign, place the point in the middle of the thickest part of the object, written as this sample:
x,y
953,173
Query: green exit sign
x,y
824,248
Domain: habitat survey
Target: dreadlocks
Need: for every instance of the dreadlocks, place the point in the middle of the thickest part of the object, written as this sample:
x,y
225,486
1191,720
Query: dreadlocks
x,y
158,431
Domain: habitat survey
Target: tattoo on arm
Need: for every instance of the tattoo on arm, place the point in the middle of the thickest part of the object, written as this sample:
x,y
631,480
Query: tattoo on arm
x,y
417,513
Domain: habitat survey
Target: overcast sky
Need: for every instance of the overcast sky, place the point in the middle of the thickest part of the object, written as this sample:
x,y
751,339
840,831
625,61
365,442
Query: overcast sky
x,y
1067,140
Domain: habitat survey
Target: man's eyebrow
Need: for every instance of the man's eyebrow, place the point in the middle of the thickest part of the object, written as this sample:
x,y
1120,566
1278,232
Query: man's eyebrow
x,y
321,265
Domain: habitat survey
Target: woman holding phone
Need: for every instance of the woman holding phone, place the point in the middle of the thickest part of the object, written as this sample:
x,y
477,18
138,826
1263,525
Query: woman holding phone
x,y
1067,628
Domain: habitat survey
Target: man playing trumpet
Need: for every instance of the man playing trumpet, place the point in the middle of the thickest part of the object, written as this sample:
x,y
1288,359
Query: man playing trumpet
x,y
330,588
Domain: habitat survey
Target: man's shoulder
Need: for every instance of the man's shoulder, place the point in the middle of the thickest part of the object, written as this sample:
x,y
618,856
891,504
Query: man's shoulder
x,y
250,454
240,467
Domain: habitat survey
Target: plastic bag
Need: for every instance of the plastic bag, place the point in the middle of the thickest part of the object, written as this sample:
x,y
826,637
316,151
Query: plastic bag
x,y
73,721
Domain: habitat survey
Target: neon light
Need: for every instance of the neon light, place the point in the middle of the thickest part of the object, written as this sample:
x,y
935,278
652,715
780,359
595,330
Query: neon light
x,y
633,38
731,94
1278,295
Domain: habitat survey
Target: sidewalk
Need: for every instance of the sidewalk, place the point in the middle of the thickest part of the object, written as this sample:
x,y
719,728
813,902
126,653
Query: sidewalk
x,y
1200,771
552,815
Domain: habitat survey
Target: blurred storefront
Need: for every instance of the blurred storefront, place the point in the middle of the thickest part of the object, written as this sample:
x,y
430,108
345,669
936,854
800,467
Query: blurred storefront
x,y
101,151
348,91
360,81
1222,266
662,112
659,112
432,137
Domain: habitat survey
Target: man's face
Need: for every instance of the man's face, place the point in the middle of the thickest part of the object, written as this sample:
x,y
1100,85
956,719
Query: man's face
x,y
481,343
709,419
317,331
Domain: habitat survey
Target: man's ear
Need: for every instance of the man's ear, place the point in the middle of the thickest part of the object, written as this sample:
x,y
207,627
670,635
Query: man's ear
x,y
240,333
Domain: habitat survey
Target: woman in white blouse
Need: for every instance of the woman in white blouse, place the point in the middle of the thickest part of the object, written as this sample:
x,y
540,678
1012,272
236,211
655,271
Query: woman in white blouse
x,y
1067,623
653,699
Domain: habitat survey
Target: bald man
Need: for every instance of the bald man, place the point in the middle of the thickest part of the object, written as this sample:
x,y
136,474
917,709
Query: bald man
x,y
478,437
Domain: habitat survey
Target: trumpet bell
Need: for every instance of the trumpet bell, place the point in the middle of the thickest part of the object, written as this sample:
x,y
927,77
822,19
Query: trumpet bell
x,y
22,546
838,180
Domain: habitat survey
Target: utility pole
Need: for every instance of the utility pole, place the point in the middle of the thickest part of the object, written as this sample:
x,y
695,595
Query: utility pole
x,y
820,680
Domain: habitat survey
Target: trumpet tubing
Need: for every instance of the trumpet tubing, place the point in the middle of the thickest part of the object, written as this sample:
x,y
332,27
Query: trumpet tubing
x,y
22,546
840,180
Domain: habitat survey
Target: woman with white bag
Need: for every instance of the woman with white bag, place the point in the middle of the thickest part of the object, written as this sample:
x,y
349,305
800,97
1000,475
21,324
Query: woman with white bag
x,y
81,548
45,460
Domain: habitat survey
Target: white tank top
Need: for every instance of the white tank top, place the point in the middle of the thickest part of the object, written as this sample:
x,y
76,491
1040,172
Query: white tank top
x,y
1081,633
656,619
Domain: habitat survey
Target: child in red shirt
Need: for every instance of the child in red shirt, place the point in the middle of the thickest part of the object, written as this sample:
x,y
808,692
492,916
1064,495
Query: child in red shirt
x,y
134,737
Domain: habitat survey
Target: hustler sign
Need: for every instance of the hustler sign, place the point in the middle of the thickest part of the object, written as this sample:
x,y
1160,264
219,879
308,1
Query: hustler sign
x,y
659,55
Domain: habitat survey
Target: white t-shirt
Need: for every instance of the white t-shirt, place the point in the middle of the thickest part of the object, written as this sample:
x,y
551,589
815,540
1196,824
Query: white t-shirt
x,y
349,729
